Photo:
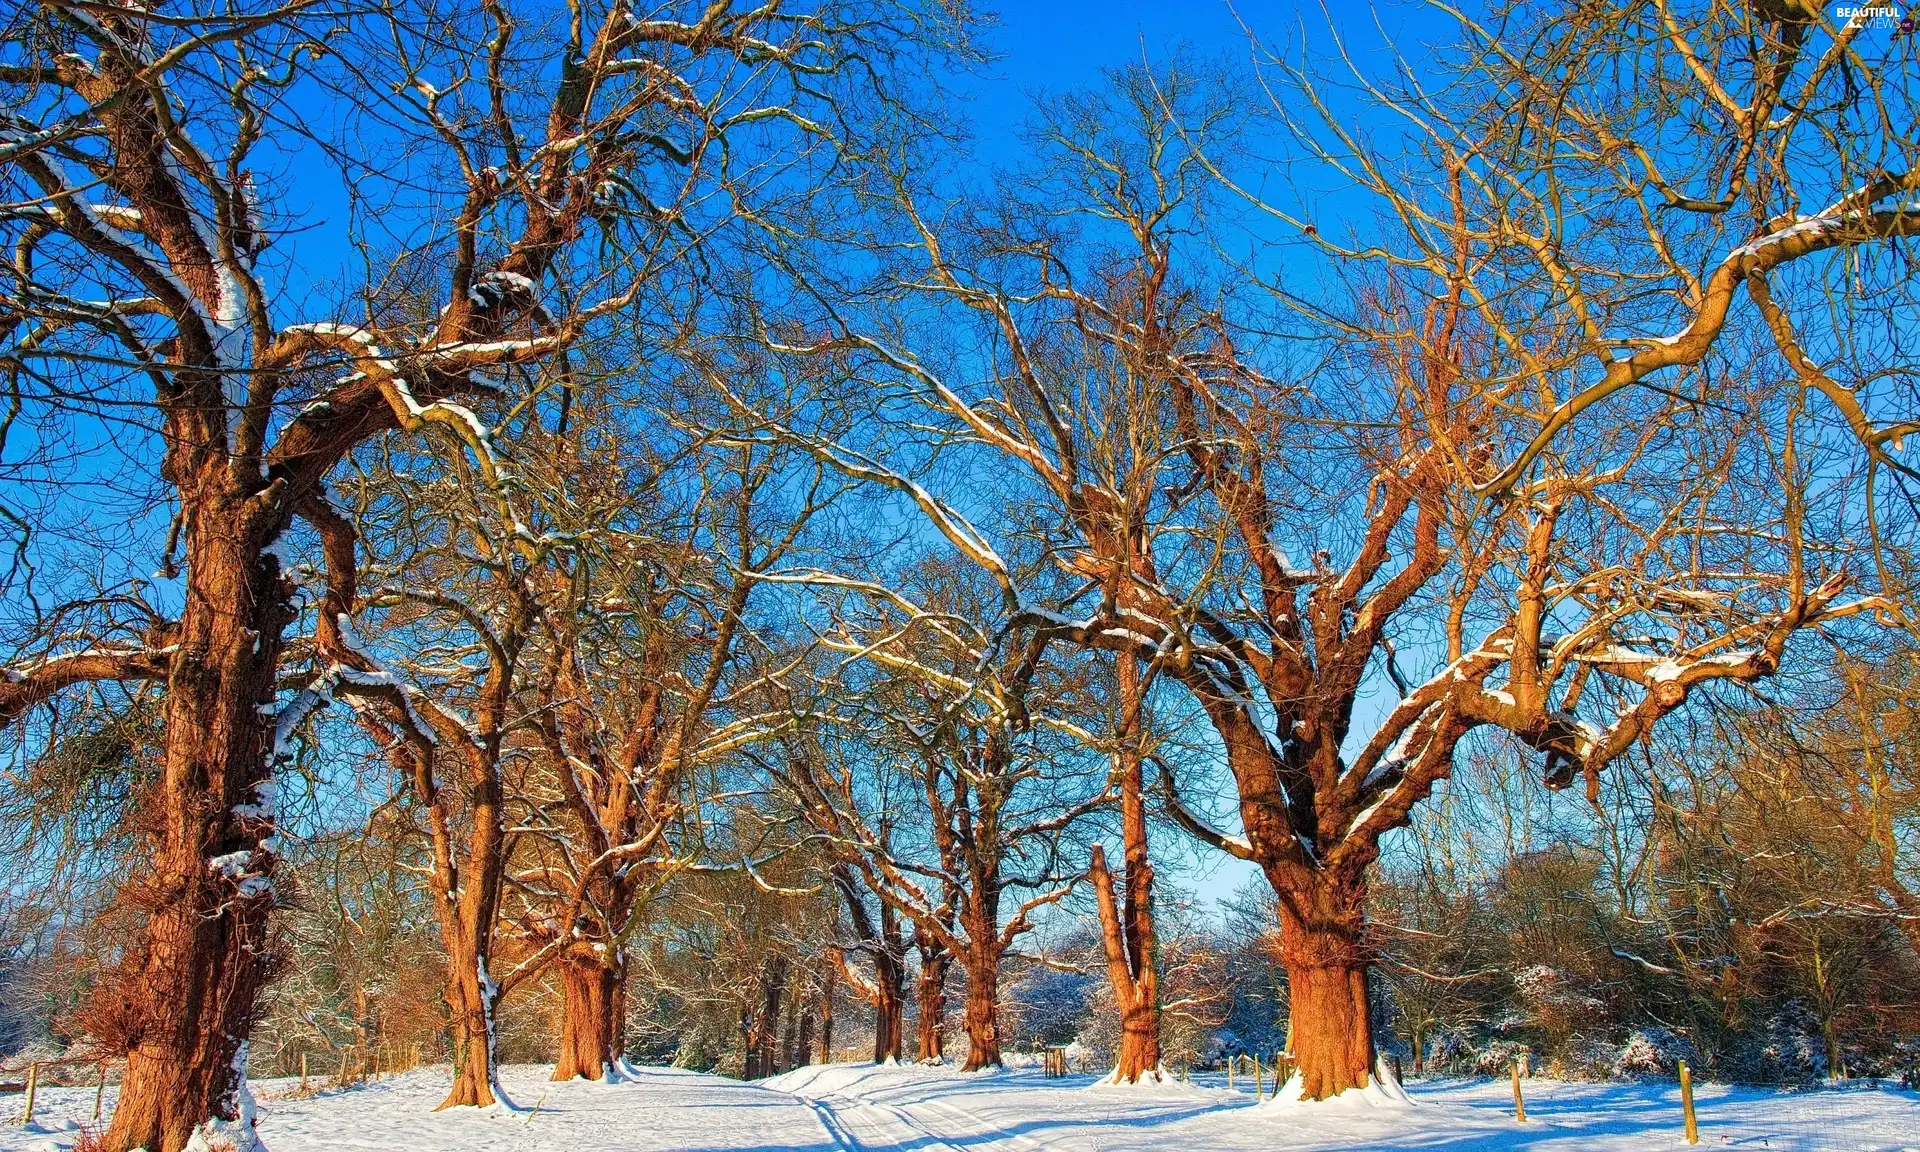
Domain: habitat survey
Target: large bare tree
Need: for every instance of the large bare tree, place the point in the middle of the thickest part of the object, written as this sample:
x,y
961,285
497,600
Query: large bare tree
x,y
1567,594
546,169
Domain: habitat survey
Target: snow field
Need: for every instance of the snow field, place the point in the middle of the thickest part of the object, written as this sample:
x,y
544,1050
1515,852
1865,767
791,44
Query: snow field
x,y
864,1108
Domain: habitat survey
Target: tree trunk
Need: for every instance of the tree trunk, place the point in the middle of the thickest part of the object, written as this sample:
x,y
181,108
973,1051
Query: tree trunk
x,y
1321,945
828,977
1127,933
983,1008
1130,972
790,1049
890,978
889,1010
471,999
185,999
931,996
589,1015
774,992
749,1045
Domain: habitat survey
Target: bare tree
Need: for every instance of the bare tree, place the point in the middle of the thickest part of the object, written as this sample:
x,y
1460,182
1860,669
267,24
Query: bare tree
x,y
1637,563
648,686
145,297
879,937
953,778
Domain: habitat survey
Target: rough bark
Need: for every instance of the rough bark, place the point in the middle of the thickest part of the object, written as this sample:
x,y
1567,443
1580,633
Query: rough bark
x,y
930,990
590,1010
471,997
983,1008
1323,949
765,1041
889,1008
186,999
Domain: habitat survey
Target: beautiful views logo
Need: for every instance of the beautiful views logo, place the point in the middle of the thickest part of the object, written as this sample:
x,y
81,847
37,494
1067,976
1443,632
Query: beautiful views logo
x,y
1885,17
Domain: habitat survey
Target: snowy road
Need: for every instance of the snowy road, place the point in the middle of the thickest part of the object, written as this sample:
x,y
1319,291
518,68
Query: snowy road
x,y
861,1108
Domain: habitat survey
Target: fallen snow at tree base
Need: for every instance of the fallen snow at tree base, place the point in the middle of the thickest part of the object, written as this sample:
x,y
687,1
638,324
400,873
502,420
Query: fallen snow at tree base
x,y
856,1107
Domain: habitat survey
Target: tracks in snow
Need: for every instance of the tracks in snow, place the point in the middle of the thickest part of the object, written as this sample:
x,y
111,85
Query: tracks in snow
x,y
857,1123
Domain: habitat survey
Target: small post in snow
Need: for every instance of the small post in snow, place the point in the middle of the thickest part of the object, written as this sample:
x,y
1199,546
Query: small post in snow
x,y
100,1092
1231,1061
1519,1105
1686,1103
33,1088
303,1073
1256,1076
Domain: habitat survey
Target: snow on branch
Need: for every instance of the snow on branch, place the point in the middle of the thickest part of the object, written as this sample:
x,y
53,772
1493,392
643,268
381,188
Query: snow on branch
x,y
23,687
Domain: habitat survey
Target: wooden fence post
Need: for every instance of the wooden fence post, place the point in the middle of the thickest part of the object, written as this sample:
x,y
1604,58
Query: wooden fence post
x,y
1686,1103
303,1073
1519,1105
1256,1076
33,1087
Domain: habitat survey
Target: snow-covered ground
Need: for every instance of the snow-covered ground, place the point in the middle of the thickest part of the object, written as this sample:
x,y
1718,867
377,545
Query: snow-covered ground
x,y
856,1107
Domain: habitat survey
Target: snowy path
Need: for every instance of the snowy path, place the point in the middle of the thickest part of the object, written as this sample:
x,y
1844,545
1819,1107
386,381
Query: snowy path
x,y
861,1108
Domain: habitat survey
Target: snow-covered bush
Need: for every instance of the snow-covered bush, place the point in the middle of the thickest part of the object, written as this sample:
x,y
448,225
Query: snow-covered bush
x,y
1495,1057
1652,1051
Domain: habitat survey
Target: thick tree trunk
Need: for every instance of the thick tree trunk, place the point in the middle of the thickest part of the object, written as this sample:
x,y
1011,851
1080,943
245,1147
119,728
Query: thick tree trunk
x,y
185,1000
1322,946
471,999
983,1008
931,997
773,995
590,1010
889,1010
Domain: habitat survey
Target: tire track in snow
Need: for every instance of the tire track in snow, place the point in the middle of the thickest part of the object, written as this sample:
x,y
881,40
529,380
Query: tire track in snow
x,y
994,1136
981,1130
840,1122
830,1124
